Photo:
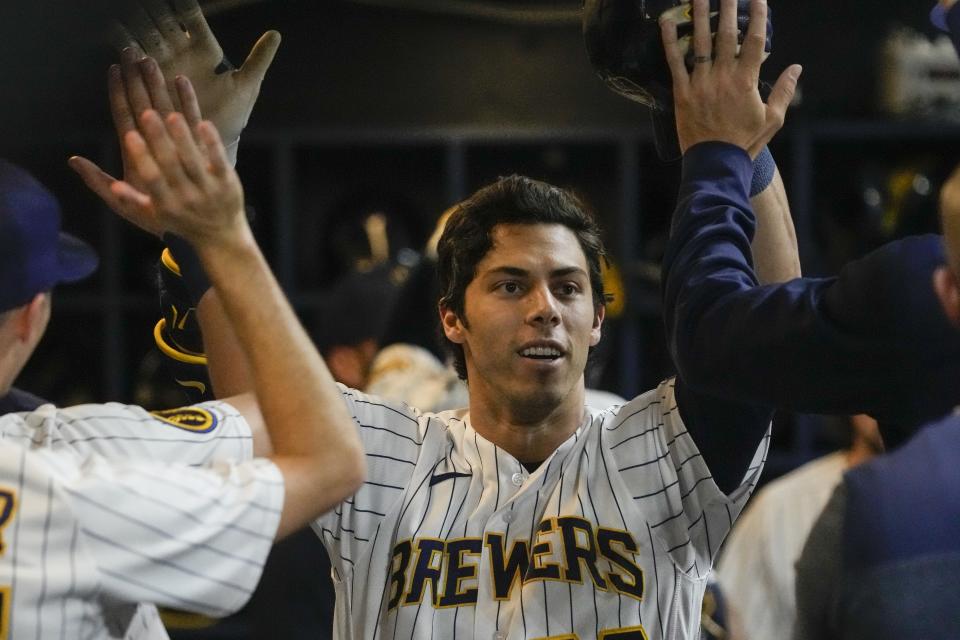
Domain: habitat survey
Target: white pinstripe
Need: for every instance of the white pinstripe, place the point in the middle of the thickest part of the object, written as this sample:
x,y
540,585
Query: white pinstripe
x,y
91,534
631,468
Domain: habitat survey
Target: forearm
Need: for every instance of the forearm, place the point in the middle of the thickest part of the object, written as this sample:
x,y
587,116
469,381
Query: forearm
x,y
229,369
227,363
314,439
775,254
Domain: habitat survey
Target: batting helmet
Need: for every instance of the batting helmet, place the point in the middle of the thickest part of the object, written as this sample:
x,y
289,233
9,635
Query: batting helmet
x,y
624,46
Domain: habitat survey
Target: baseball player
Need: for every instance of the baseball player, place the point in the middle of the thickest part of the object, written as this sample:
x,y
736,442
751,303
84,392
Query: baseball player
x,y
524,516
527,515
92,520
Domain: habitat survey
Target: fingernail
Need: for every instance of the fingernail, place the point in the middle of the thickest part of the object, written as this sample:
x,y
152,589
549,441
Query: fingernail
x,y
797,70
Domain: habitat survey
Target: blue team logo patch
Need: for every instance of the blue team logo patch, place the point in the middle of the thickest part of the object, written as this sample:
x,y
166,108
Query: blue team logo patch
x,y
188,418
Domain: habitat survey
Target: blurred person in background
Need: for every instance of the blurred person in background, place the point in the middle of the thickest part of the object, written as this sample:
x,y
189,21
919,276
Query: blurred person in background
x,y
756,568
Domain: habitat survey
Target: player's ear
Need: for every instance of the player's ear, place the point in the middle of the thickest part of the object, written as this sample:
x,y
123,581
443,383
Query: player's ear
x,y
595,332
31,319
948,291
452,326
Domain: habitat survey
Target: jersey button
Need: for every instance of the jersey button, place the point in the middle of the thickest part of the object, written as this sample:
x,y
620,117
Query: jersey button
x,y
499,635
517,479
508,517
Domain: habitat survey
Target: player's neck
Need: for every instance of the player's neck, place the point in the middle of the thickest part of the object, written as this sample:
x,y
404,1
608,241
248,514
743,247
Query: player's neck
x,y
11,362
528,435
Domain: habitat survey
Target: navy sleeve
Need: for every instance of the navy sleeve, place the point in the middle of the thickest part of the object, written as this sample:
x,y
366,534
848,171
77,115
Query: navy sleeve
x,y
953,24
17,400
871,340
713,197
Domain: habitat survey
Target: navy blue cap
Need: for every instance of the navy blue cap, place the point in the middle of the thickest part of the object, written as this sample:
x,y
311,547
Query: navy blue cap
x,y
34,254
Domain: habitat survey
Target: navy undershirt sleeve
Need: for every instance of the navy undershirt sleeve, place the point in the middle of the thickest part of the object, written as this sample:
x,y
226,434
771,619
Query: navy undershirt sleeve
x,y
17,400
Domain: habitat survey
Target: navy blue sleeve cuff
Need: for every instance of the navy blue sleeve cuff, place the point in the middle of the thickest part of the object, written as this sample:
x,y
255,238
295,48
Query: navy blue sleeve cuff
x,y
712,160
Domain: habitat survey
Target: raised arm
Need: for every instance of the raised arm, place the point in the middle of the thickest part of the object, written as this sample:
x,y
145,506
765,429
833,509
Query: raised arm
x,y
718,106
179,42
775,254
872,340
199,198
160,44
720,114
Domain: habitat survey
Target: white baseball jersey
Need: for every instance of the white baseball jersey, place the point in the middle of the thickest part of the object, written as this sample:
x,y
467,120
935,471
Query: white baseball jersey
x,y
612,537
756,569
85,537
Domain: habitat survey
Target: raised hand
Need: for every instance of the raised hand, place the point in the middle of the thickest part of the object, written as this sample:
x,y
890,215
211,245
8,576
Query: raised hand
x,y
184,188
181,42
134,86
720,99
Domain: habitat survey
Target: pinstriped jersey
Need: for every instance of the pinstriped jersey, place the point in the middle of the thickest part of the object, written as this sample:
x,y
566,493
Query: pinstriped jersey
x,y
85,537
189,435
613,536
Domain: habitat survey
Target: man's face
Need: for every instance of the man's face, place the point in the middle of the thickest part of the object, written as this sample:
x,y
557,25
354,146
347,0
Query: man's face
x,y
529,320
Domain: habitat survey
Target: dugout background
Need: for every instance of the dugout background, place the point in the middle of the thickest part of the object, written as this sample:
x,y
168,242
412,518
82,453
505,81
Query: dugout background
x,y
426,106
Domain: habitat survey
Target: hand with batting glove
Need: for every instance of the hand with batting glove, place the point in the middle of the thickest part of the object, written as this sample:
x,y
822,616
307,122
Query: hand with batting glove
x,y
158,46
183,45
720,99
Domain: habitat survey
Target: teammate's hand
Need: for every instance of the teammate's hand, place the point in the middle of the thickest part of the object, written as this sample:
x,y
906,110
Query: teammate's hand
x,y
187,189
182,44
720,99
134,86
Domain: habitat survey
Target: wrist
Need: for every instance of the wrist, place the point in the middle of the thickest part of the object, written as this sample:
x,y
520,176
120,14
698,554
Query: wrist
x,y
235,245
710,162
764,168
